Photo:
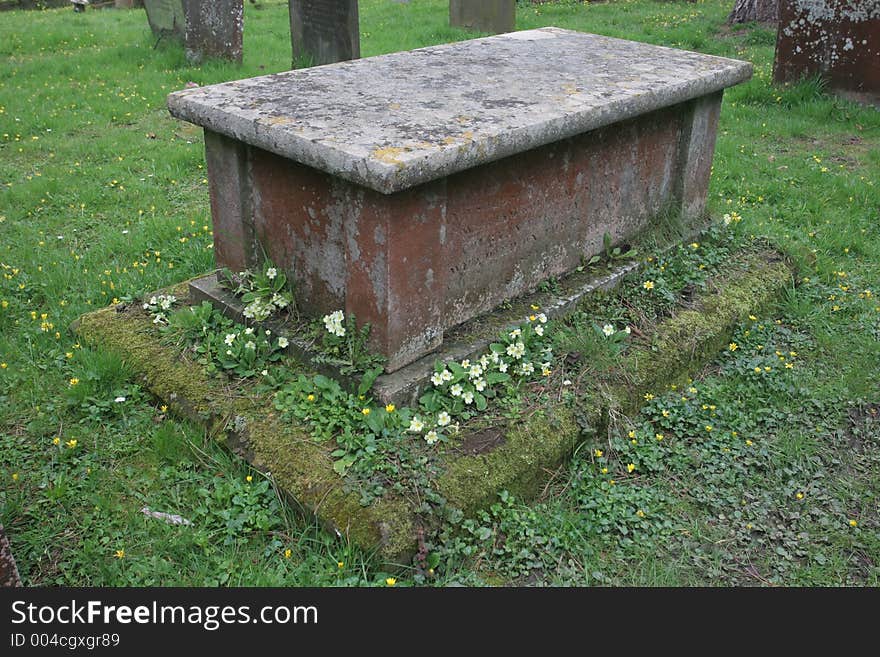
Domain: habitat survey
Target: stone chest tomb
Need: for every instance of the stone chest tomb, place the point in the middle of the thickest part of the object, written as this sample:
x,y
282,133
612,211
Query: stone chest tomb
x,y
420,189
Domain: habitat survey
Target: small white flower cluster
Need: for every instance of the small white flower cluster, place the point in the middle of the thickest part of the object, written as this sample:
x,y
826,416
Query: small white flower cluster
x,y
248,336
260,309
158,306
333,323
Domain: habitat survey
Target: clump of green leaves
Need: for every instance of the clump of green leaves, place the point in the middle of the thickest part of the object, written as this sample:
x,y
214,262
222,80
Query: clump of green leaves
x,y
236,508
221,345
344,345
263,292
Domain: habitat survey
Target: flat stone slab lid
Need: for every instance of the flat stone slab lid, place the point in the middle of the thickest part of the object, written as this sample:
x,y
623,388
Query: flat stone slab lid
x,y
394,121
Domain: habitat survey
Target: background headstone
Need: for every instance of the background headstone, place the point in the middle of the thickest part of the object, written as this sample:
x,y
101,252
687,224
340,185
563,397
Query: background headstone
x,y
207,28
166,18
837,39
493,16
213,29
324,31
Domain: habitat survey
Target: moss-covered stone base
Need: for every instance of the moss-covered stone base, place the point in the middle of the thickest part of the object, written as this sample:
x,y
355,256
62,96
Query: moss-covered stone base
x,y
538,443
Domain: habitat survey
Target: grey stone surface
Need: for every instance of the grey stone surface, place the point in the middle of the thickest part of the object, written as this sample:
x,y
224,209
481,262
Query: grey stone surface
x,y
213,29
395,121
207,28
492,16
166,17
324,31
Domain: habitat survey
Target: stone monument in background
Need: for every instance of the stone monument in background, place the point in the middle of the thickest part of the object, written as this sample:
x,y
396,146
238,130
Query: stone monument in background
x,y
492,16
207,28
837,39
324,31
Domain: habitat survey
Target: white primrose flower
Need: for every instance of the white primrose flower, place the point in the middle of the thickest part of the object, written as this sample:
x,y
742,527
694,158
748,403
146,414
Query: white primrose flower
x,y
515,333
517,350
484,361
268,333
468,397
627,330
416,425
265,372
249,331
476,372
119,400
494,357
539,330
480,385
282,342
466,363
608,330
455,390
250,345
333,323
542,318
446,375
526,368
443,419
159,319
431,437
229,352
279,300
437,379
502,366
230,338
271,273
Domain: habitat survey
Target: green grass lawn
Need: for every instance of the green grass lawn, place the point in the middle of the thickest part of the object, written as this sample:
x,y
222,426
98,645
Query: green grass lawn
x,y
103,197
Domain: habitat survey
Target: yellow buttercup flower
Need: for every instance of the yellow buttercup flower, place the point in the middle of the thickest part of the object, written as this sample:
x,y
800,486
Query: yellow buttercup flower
x,y
249,478
853,523
74,381
365,411
389,408
648,285
390,581
287,553
630,467
598,453
119,554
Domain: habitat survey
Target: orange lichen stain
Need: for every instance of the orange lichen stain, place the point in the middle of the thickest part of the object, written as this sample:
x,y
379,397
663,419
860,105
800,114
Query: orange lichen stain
x,y
280,120
389,155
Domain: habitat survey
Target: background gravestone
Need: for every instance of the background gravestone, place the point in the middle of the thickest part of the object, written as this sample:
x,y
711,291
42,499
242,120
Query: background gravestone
x,y
837,39
207,28
493,16
166,18
324,31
